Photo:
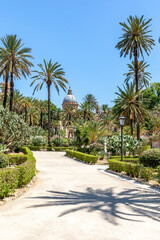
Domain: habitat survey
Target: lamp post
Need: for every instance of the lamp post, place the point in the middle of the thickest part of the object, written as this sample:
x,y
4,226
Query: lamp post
x,y
121,121
74,128
59,132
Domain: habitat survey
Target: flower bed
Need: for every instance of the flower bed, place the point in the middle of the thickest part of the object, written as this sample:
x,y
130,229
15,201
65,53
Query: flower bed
x,y
12,178
87,158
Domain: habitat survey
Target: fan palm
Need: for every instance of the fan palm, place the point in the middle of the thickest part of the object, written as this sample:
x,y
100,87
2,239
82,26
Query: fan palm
x,y
50,73
128,105
15,57
143,76
136,38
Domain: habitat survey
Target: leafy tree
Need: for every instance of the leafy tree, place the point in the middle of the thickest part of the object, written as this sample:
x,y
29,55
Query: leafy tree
x,y
14,58
152,96
50,73
134,40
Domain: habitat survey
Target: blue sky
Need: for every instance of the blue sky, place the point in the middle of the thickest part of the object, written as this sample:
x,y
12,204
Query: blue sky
x,y
81,35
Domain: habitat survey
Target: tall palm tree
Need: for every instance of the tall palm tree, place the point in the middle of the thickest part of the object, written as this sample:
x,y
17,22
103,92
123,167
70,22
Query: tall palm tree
x,y
15,57
128,105
91,101
134,40
4,70
26,105
143,76
50,73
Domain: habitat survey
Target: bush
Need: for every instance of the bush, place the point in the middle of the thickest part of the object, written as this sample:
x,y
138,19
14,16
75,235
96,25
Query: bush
x,y
131,169
38,141
18,176
16,159
146,173
143,148
35,148
3,160
82,156
49,149
150,158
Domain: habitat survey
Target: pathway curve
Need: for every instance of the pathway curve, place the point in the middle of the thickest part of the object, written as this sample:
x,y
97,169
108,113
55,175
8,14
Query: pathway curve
x,y
76,201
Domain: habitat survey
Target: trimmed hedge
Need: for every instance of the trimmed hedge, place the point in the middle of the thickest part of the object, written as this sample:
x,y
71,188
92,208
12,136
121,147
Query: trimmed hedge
x,y
11,178
158,173
131,159
87,158
62,149
35,148
150,158
131,169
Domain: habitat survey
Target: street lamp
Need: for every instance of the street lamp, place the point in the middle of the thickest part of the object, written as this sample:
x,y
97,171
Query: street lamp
x,y
59,132
74,128
121,121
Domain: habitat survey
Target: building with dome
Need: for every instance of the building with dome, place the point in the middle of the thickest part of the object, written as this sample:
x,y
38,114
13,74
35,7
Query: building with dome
x,y
69,100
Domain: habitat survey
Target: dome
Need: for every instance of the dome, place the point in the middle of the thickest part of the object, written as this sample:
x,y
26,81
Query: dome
x,y
70,98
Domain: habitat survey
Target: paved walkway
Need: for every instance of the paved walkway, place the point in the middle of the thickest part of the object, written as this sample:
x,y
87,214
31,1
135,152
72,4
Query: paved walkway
x,y
75,201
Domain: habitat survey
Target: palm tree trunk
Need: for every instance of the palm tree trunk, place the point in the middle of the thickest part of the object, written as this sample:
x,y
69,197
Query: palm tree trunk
x,y
30,124
41,119
137,87
49,116
11,91
132,127
5,90
25,114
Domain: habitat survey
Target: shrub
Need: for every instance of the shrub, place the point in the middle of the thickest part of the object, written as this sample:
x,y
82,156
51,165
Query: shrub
x,y
38,141
87,158
16,159
49,149
146,173
150,158
34,148
131,159
3,160
131,169
18,176
143,148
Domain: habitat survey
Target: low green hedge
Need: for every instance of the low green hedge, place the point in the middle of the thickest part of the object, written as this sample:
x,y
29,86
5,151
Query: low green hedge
x,y
87,158
62,149
35,148
131,169
3,160
131,159
16,159
11,178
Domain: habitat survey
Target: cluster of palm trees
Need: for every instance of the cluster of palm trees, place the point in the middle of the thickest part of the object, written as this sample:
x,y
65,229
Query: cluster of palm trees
x,y
15,63
135,41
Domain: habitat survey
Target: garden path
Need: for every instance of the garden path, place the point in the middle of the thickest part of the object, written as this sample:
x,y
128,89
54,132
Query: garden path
x,y
75,201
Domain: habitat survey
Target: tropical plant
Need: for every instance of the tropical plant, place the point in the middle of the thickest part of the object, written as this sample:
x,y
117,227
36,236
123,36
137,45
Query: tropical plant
x,y
143,76
50,73
91,101
130,105
14,58
134,40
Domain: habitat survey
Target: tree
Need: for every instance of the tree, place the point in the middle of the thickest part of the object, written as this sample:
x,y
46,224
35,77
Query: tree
x,y
91,101
50,73
128,105
134,40
152,96
15,57
143,76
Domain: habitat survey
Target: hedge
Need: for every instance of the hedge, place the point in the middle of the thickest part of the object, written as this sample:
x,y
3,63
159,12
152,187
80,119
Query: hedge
x,y
158,173
87,158
150,158
62,149
11,178
131,169
35,148
131,159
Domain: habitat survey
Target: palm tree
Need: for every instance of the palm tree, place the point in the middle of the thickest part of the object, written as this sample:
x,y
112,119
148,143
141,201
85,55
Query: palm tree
x,y
143,76
128,105
91,101
5,72
18,101
50,73
134,41
26,105
15,57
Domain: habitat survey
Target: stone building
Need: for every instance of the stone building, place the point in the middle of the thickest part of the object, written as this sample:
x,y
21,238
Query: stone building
x,y
69,100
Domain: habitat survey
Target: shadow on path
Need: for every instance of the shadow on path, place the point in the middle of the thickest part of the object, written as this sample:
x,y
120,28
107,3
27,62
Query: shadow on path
x,y
127,205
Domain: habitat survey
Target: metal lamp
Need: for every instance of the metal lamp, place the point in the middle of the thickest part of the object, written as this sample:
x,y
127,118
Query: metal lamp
x,y
121,121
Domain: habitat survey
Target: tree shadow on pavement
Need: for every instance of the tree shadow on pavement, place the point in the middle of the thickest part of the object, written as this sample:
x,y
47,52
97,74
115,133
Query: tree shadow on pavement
x,y
127,205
